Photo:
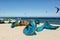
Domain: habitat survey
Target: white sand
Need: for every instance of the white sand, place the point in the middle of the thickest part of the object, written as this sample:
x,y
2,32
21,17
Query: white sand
x,y
8,33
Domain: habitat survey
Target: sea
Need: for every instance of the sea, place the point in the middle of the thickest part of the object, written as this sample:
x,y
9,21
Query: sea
x,y
52,20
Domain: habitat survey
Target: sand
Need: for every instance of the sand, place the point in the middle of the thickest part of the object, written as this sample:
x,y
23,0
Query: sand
x,y
8,33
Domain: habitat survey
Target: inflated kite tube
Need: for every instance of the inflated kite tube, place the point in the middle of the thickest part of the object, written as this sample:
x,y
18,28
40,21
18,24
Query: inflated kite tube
x,y
46,25
13,25
6,22
1,22
37,21
30,28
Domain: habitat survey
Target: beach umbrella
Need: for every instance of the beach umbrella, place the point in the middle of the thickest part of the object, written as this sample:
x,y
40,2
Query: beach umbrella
x,y
30,28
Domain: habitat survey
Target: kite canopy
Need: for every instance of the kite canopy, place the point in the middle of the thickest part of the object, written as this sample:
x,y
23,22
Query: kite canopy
x,y
46,25
37,21
30,28
9,20
1,22
57,9
14,24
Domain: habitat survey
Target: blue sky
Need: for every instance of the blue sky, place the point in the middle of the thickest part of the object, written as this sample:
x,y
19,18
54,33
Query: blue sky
x,y
29,8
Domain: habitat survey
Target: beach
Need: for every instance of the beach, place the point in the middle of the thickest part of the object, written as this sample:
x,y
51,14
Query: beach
x,y
8,33
29,19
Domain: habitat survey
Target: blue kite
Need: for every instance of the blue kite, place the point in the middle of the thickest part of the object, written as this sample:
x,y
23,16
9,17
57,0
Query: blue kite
x,y
32,27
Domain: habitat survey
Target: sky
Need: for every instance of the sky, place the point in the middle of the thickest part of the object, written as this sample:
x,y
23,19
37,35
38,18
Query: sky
x,y
29,8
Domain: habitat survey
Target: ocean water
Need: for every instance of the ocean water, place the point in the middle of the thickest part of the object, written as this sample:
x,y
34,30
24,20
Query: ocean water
x,y
52,20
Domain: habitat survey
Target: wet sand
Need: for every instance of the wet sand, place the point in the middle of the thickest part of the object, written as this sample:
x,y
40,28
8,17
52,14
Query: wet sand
x,y
8,33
